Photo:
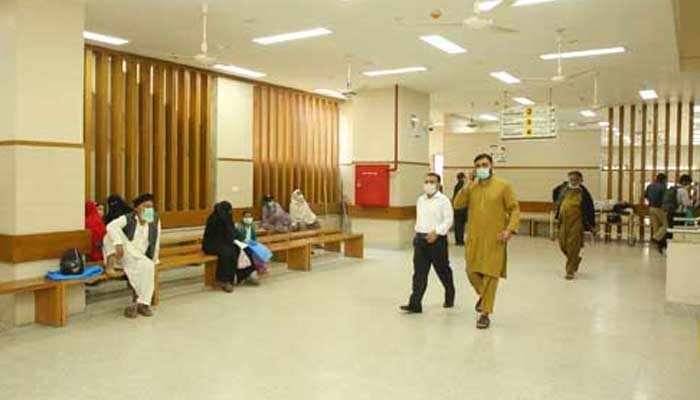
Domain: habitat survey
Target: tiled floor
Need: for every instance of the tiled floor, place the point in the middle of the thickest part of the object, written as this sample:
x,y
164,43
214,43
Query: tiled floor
x,y
336,333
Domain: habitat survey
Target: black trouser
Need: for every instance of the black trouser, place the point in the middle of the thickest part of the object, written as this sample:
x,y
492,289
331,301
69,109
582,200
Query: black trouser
x,y
425,254
460,223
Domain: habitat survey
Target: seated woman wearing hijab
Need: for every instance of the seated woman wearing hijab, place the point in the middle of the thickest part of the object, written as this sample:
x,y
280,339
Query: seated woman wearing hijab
x,y
302,216
221,238
94,223
274,218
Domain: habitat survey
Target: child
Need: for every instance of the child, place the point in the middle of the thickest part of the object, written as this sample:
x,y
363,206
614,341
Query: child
x,y
261,254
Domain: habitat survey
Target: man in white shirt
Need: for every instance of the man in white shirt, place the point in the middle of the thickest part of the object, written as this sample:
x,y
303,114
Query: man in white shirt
x,y
434,217
134,239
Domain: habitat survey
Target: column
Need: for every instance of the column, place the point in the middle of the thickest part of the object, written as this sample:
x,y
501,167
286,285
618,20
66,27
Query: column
x,y
41,142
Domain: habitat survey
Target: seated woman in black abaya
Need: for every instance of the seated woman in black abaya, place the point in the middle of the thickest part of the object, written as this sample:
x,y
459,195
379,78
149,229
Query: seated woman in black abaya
x,y
221,238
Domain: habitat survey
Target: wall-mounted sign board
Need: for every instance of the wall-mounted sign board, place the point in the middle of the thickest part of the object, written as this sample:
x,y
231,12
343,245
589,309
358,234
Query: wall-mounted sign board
x,y
529,123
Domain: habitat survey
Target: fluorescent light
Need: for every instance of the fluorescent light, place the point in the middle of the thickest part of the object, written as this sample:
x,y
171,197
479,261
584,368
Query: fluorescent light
x,y
330,93
588,113
648,94
488,5
488,117
696,109
286,37
394,71
519,3
604,124
524,101
505,77
232,69
443,44
584,53
98,37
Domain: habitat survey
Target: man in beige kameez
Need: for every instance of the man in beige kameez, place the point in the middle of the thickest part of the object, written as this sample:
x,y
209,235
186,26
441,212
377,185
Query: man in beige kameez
x,y
494,216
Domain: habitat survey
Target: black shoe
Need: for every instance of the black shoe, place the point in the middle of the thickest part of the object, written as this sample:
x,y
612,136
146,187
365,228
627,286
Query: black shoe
x,y
484,322
477,306
410,309
448,304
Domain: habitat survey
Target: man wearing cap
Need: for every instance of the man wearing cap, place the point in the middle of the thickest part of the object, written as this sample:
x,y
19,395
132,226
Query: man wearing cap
x,y
136,245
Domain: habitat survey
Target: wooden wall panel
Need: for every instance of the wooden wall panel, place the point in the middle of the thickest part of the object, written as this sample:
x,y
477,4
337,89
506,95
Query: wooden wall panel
x,y
116,150
101,127
88,120
205,141
643,166
691,131
171,140
611,124
621,154
195,125
147,116
633,137
183,128
293,145
655,141
679,138
159,137
131,116
667,137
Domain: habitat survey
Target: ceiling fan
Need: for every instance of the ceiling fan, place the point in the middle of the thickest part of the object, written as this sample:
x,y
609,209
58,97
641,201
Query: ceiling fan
x,y
203,58
349,93
474,22
560,77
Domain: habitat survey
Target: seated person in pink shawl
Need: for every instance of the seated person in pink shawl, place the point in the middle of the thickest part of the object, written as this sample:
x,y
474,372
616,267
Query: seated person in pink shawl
x,y
302,216
274,218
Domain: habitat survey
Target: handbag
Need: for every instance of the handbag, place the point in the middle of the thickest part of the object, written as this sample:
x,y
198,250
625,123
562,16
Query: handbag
x,y
243,260
259,251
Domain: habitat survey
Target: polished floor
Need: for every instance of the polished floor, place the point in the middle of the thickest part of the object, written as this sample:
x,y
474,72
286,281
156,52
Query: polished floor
x,y
336,333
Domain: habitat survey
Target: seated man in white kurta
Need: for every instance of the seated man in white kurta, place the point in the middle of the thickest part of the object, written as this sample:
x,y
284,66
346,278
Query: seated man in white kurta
x,y
135,242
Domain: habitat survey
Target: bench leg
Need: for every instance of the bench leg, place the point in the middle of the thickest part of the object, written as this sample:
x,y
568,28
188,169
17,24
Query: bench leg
x,y
355,248
156,287
210,274
333,247
279,256
50,306
299,259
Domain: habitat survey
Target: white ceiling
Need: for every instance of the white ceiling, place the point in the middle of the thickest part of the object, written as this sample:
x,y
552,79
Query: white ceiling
x,y
366,31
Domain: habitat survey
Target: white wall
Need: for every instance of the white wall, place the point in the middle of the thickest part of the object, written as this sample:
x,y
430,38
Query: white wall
x,y
234,142
533,166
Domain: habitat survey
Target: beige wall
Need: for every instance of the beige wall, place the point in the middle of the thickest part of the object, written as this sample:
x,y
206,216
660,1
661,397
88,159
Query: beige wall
x,y
234,142
533,166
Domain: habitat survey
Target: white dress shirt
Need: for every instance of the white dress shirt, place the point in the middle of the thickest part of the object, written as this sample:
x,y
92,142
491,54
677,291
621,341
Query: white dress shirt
x,y
434,214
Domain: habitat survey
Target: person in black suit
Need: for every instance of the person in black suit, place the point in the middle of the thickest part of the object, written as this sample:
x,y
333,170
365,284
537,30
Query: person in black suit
x,y
461,214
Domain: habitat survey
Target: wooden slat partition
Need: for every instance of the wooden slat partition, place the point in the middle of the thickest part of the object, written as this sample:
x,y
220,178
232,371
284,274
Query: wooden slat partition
x,y
132,111
643,166
610,152
691,131
101,127
293,145
88,120
151,130
667,137
633,137
145,130
679,139
116,164
171,140
655,141
621,154
159,136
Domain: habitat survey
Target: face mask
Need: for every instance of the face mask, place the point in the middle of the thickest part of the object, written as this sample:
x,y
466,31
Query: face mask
x,y
572,186
149,214
430,188
483,173
247,220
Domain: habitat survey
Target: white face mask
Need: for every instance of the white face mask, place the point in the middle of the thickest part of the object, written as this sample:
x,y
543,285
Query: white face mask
x,y
572,186
247,220
483,173
430,188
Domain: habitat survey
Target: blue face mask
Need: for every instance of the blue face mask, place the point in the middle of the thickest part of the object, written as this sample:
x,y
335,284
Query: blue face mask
x,y
483,173
149,214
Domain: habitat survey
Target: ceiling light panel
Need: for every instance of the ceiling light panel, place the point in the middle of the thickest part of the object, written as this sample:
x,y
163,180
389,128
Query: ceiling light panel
x,y
443,44
98,37
330,93
505,77
286,37
232,69
406,70
648,94
520,3
584,53
588,113
524,101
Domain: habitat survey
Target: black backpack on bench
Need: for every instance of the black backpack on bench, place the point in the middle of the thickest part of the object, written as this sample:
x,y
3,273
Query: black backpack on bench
x,y
72,263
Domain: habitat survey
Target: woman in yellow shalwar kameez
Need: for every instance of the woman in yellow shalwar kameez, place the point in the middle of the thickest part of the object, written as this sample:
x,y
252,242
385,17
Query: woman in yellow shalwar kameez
x,y
494,216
